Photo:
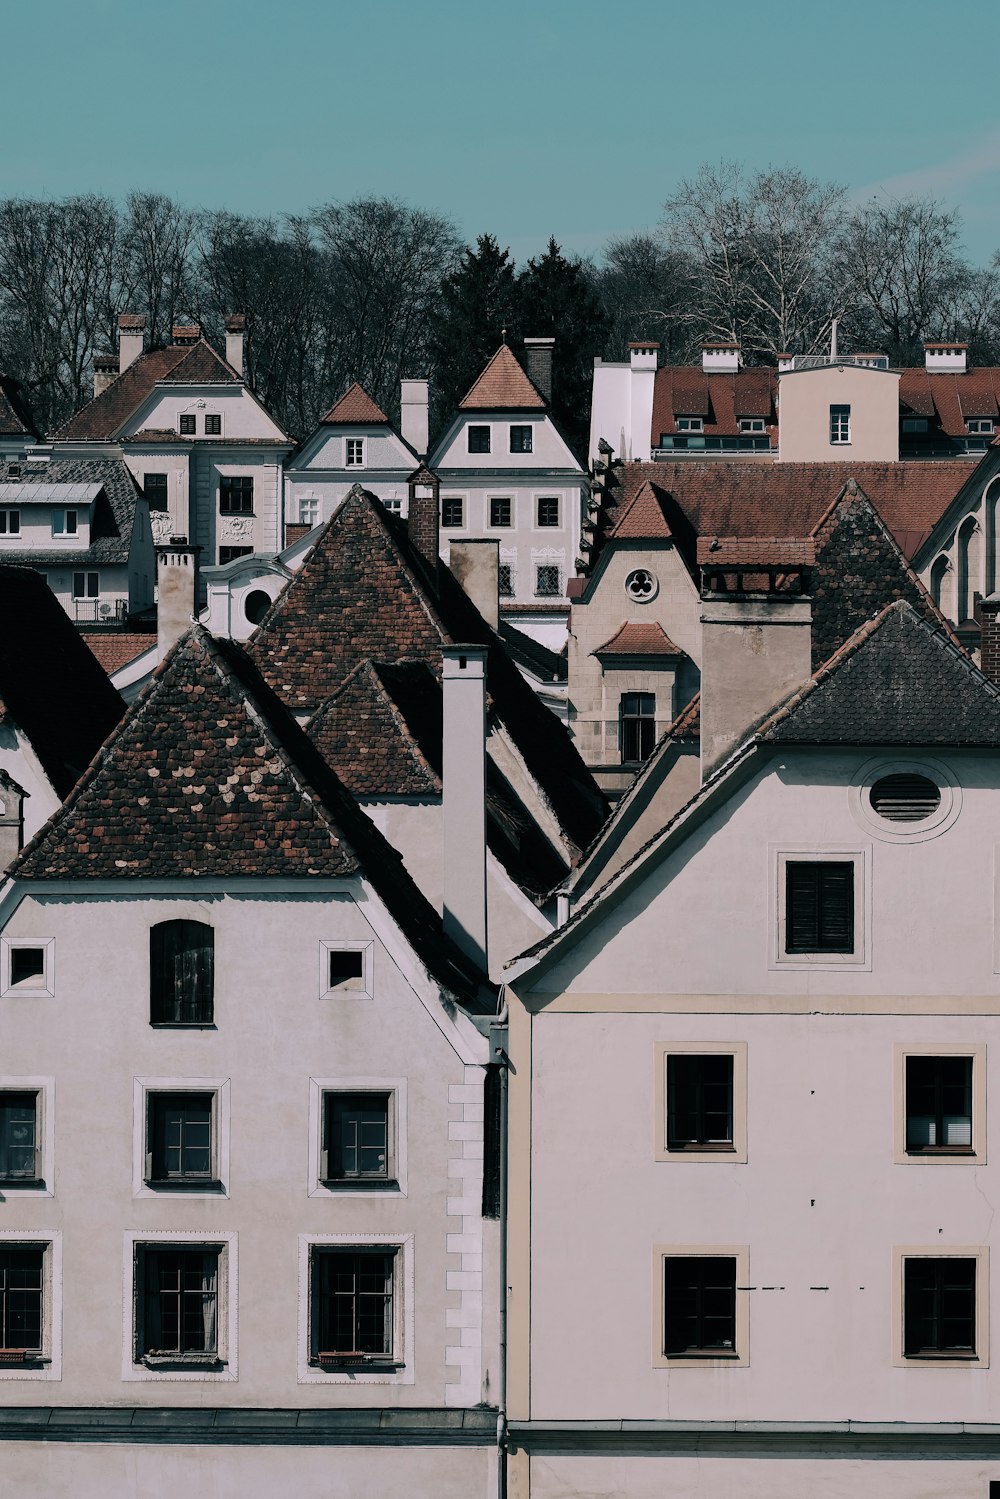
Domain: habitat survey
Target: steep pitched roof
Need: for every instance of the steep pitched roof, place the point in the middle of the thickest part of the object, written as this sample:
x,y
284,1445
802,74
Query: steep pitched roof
x,y
357,406
114,649
51,687
103,417
202,366
16,419
113,514
643,517
503,386
633,638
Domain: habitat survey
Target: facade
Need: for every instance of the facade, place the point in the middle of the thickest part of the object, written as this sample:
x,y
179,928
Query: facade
x,y
749,1098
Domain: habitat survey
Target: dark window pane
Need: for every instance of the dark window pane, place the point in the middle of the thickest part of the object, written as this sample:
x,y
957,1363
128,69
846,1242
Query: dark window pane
x,y
699,1101
520,439
182,973
347,968
939,1103
939,1306
352,1302
213,426
819,907
187,426
500,511
229,554
180,1303
18,1137
506,581
27,967
236,494
548,511
21,1298
547,581
479,439
357,1136
637,726
699,1304
154,487
181,1136
452,511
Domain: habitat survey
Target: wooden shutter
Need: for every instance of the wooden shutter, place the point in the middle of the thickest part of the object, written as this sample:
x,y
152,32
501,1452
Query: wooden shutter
x,y
819,906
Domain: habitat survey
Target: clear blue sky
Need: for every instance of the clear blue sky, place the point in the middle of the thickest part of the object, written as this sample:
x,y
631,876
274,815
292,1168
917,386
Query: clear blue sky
x,y
524,118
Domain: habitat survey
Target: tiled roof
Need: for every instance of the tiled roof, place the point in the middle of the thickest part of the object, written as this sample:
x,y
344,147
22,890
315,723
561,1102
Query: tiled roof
x,y
116,648
210,776
642,517
503,386
16,419
754,551
897,681
951,398
104,416
357,406
365,593
720,399
636,639
112,518
50,685
202,366
532,655
687,724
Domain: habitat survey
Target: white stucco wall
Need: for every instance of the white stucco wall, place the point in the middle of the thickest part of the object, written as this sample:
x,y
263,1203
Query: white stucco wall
x,y
804,401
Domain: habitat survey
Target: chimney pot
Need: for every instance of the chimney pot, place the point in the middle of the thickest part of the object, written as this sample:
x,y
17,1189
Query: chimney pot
x,y
538,357
185,333
720,359
176,571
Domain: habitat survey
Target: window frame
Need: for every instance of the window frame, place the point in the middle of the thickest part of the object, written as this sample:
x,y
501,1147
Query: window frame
x,y
736,1153
752,424
91,585
366,989
979,426
44,1089
310,501
525,439
500,499
901,1156
320,1088
161,493
956,1360
143,1089
201,1024
858,854
215,417
46,988
548,593
479,428
8,530
635,718
840,425
453,499
510,591
48,1364
224,1367
689,423
61,522
548,525
401,1368
350,443
187,424
884,829
236,484
710,1359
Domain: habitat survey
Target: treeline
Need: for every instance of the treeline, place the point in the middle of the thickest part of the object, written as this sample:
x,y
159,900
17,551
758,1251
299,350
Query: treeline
x,y
374,289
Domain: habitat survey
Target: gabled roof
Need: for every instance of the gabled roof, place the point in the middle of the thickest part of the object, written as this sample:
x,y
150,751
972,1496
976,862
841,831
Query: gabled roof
x,y
365,593
202,366
634,638
116,648
503,386
51,687
103,417
112,518
356,406
16,419
643,517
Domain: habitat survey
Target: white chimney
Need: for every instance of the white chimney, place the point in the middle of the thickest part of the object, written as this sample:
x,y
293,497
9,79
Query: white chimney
x,y
236,327
413,419
720,359
946,358
131,338
642,358
475,564
176,570
464,797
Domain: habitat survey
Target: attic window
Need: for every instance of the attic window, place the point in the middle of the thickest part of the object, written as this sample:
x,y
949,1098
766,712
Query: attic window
x,y
346,968
905,797
690,424
979,426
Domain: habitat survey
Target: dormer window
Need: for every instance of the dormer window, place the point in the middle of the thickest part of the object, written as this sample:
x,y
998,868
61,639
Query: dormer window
x,y
752,424
355,456
65,523
690,424
913,424
186,425
10,522
979,426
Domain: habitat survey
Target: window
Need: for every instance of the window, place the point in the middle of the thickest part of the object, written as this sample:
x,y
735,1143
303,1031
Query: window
x,y
235,494
501,509
939,1307
177,1304
308,511
904,796
358,1131
86,585
186,426
229,554
699,1305
181,973
690,424
452,511
840,424
345,968
505,580
352,1302
65,523
979,424
636,726
520,439
181,1140
22,1302
154,487
213,425
548,511
913,424
641,585
819,907
255,605
752,424
939,1105
10,522
699,1102
26,967
20,1139
355,452
479,439
547,581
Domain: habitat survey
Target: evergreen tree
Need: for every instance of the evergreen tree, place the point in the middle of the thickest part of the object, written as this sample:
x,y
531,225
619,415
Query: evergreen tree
x,y
559,298
478,301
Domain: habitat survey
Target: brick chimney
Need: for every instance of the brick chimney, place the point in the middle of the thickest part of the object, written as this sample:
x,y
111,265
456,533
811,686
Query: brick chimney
x,y
424,512
989,643
464,797
105,371
131,338
538,358
176,573
236,327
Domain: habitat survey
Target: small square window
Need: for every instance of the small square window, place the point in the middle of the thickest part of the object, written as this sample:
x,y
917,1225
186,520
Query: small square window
x,y
501,511
186,426
505,580
86,585
154,487
309,511
452,511
178,1305
213,425
548,584
699,1102
20,1138
182,1140
355,452
520,439
548,511
358,1147
235,494
345,968
479,439
353,1298
26,966
819,906
939,1307
840,425
10,522
699,1306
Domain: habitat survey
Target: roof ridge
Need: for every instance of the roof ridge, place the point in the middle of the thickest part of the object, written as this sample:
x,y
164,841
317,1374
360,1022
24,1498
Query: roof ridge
x,y
515,370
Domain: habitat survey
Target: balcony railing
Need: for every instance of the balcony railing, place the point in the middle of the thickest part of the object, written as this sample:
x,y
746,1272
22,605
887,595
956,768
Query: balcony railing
x,y
100,611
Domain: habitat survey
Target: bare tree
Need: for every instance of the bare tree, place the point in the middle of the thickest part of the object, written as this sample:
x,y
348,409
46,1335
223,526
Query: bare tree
x,y
155,262
642,285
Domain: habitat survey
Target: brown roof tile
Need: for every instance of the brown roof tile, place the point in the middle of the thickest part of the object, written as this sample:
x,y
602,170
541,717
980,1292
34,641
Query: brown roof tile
x,y
642,517
16,419
362,732
503,386
356,406
115,649
104,416
755,551
201,366
634,638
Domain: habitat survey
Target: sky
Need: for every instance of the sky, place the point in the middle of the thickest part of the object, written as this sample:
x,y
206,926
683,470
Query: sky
x,y
575,118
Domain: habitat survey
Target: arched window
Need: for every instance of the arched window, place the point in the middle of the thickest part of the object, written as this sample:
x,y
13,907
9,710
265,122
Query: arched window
x,y
968,569
938,573
181,973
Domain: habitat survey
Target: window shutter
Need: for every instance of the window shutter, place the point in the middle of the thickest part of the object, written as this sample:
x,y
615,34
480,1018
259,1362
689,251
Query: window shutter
x,y
819,906
324,1164
837,907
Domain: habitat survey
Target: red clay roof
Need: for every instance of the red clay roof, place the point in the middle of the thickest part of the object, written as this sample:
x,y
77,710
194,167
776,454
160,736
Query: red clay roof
x,y
103,417
114,649
755,551
635,638
642,517
720,399
951,397
503,386
356,406
16,419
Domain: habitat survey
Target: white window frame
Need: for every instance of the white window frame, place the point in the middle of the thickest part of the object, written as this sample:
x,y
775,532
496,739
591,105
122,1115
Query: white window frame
x,y
402,1309
319,1087
976,1050
735,1049
752,424
8,511
858,854
979,1253
228,1298
979,426
521,427
87,574
463,501
536,500
142,1087
46,988
840,424
741,1254
367,987
689,423
308,502
61,525
45,1135
49,1367
349,444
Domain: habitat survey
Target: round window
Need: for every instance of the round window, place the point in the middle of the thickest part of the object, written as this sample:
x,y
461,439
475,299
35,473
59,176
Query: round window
x,y
641,585
256,604
905,796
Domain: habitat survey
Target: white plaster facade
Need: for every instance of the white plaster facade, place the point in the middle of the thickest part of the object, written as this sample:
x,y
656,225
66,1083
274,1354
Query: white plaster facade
x,y
319,475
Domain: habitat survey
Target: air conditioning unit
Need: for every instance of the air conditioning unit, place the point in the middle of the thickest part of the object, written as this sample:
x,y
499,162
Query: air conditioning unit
x,y
105,609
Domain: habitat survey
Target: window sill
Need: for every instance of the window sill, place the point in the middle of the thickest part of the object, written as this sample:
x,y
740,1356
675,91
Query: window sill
x,y
208,1361
931,1356
338,1362
21,1183
707,1354
709,1149
183,1025
966,1152
23,1357
181,1184
357,1184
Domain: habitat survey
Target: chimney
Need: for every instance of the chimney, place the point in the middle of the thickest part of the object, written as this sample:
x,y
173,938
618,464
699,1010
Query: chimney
x,y
185,333
105,372
424,512
989,642
131,338
946,358
476,566
236,327
720,359
176,571
464,798
756,635
538,357
413,419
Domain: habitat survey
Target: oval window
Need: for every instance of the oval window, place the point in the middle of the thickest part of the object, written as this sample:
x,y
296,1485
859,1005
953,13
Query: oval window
x,y
905,797
256,605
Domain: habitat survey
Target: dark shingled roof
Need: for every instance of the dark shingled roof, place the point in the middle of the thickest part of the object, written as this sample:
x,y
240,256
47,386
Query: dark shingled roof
x,y
210,776
16,419
113,515
897,681
51,686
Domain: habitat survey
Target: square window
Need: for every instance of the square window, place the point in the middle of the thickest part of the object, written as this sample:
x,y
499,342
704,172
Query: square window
x,y
182,1140
840,425
27,968
229,554
154,487
690,424
65,523
752,424
352,1296
355,452
939,1307
520,439
22,1302
548,511
186,426
181,973
548,584
699,1102
10,522
358,1148
177,1304
345,968
86,585
213,425
479,439
699,1306
452,511
20,1138
505,580
819,906
235,494
309,511
980,425
501,511
26,965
